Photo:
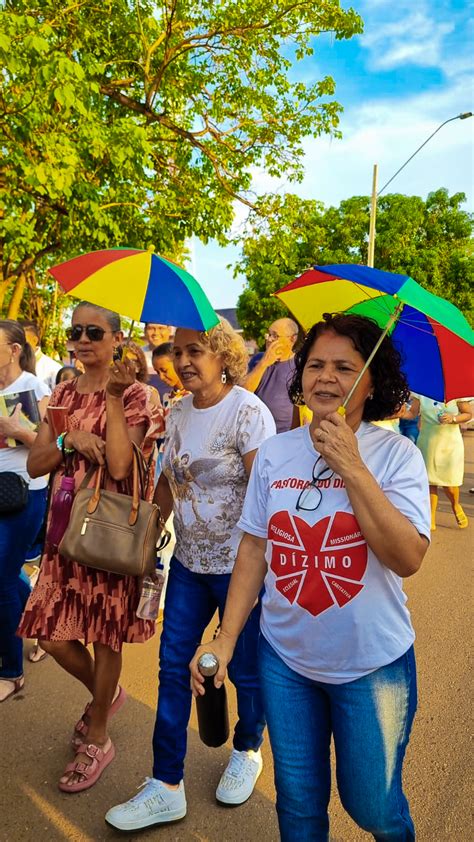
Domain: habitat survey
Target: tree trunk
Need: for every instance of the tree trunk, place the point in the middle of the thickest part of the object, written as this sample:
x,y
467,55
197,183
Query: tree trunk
x,y
17,297
3,289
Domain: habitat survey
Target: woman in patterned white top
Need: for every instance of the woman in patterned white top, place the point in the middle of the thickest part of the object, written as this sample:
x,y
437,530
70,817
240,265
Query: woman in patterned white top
x,y
212,436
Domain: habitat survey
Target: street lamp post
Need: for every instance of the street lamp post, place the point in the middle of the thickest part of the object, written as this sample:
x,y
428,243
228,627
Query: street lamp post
x,y
376,194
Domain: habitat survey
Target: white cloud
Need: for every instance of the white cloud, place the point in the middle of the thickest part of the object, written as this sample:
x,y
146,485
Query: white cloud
x,y
403,33
459,64
388,132
415,38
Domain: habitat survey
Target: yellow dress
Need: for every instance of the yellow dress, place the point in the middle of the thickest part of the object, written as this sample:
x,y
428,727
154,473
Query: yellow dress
x,y
392,424
441,444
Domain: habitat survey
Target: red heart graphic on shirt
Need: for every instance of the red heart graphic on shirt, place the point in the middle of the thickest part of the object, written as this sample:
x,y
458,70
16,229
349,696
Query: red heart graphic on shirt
x,y
318,566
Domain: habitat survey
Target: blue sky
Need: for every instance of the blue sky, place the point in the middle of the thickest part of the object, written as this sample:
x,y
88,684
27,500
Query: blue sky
x,y
410,70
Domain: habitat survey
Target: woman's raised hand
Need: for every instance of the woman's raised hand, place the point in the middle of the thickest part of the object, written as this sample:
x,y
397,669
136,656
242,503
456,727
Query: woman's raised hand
x,y
88,444
121,376
337,444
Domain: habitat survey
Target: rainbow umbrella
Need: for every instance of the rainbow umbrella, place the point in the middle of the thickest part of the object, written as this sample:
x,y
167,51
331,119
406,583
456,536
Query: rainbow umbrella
x,y
138,284
434,338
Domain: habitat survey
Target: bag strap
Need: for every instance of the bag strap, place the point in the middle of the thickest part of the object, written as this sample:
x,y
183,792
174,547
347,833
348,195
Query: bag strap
x,y
99,471
142,469
88,476
135,488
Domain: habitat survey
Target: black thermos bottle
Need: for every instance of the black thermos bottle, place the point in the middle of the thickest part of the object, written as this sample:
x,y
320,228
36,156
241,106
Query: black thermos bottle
x,y
212,713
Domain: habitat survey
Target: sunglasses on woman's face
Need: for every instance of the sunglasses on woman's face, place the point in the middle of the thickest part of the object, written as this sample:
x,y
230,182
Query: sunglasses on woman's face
x,y
93,332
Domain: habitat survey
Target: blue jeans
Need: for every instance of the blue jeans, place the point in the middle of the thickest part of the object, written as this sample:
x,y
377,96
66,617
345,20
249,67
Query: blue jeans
x,y
191,600
370,720
410,429
16,533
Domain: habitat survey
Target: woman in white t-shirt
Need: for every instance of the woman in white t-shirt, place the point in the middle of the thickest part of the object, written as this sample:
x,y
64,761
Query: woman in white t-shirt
x,y
336,514
17,529
212,436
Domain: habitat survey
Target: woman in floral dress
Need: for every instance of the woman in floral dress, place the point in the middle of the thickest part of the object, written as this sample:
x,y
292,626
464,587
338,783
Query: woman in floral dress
x,y
73,605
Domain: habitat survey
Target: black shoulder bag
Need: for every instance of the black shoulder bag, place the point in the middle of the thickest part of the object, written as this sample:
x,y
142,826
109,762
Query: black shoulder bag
x,y
13,493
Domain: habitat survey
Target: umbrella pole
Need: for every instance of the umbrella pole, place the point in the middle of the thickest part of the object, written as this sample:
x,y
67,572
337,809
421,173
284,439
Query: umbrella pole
x,y
132,325
393,318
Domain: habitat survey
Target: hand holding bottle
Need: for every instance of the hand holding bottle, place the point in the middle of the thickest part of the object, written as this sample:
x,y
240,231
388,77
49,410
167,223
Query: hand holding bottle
x,y
211,705
445,417
223,648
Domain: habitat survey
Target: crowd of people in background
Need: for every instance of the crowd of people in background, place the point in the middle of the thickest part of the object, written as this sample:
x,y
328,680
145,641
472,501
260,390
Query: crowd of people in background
x,y
259,474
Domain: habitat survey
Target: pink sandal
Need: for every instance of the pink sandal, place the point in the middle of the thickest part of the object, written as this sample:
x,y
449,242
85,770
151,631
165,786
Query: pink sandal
x,y
90,772
81,728
18,684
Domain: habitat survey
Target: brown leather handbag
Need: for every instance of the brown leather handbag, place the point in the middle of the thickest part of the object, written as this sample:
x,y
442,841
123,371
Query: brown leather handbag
x,y
115,532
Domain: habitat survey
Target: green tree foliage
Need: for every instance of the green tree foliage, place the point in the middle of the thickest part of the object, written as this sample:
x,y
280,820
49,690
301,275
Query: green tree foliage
x,y
430,240
131,122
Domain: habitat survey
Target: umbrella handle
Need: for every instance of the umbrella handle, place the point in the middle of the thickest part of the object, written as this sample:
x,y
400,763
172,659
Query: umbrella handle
x,y
393,318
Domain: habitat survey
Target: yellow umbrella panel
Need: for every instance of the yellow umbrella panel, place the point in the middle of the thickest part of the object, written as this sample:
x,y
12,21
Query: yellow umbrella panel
x,y
334,295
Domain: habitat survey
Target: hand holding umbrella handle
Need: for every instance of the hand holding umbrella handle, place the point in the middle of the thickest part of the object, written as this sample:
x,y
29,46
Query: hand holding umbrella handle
x,y
122,375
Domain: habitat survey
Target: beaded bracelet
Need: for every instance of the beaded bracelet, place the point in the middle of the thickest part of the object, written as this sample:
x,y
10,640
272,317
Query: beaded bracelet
x,y
60,444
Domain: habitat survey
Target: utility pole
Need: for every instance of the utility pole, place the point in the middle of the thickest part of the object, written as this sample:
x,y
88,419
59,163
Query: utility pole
x,y
375,194
373,213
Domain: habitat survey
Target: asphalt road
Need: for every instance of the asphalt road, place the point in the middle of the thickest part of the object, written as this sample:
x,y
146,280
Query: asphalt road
x,y
35,728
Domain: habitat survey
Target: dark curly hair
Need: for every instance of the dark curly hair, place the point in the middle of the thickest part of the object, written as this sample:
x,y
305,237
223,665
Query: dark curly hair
x,y
390,386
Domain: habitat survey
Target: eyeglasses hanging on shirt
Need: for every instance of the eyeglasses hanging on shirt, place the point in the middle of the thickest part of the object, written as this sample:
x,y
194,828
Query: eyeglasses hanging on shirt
x,y
310,497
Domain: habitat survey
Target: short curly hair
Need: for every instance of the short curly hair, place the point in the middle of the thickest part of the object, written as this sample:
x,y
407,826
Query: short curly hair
x,y
390,385
224,340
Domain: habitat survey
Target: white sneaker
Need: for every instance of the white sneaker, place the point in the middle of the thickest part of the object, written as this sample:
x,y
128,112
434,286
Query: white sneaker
x,y
153,805
238,781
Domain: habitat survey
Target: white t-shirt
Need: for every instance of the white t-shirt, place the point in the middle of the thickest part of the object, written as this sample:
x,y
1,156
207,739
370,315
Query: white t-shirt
x,y
331,610
47,369
14,458
202,461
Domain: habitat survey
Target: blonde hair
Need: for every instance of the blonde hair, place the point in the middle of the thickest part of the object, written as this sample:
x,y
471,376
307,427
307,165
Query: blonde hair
x,y
224,340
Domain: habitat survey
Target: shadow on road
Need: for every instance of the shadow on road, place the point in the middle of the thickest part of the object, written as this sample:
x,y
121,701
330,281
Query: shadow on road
x,y
36,727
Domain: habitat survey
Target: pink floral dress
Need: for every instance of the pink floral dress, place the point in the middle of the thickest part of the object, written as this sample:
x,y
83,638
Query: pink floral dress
x,y
71,601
